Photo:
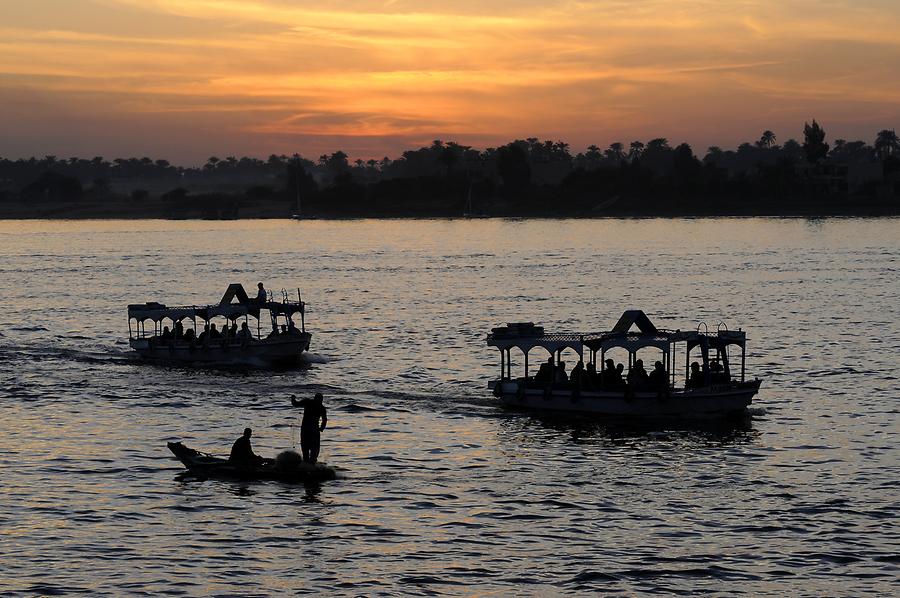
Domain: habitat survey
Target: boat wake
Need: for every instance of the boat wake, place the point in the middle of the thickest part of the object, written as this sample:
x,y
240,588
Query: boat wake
x,y
314,358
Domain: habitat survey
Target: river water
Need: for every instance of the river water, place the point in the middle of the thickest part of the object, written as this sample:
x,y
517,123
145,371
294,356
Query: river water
x,y
442,491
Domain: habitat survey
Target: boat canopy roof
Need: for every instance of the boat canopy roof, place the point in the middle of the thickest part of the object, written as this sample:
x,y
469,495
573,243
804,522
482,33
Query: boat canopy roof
x,y
526,336
225,308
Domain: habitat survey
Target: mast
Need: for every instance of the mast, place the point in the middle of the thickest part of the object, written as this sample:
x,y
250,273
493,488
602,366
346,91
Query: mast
x,y
297,181
468,210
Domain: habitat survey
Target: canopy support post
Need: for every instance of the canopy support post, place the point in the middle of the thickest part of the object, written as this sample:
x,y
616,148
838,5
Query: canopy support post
x,y
743,359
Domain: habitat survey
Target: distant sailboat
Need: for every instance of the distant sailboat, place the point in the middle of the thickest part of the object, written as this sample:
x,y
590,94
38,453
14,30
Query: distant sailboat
x,y
298,205
298,212
469,211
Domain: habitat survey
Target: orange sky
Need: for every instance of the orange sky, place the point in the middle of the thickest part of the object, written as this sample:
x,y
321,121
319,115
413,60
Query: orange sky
x,y
186,79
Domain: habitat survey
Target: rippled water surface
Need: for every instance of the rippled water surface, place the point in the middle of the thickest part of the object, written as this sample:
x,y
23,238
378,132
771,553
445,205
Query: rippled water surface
x,y
442,491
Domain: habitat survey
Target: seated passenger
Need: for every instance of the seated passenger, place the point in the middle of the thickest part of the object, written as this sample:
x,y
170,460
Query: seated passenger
x,y
189,335
637,376
179,330
232,332
717,373
697,379
577,376
245,332
166,334
619,378
203,335
560,376
658,379
545,372
589,380
214,334
607,376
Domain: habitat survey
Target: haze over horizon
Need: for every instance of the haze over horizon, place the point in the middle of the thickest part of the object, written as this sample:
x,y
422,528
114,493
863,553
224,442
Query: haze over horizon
x,y
186,79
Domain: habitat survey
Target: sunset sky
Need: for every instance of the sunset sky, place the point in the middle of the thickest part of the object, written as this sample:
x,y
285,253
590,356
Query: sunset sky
x,y
187,79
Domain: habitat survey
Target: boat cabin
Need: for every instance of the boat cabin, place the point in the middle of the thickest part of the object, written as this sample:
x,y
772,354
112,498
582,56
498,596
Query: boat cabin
x,y
240,318
638,337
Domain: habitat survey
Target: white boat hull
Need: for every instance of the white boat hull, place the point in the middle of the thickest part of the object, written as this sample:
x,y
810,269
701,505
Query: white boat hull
x,y
714,401
281,351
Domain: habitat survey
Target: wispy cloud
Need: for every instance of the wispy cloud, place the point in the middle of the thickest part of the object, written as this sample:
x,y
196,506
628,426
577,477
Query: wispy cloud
x,y
275,72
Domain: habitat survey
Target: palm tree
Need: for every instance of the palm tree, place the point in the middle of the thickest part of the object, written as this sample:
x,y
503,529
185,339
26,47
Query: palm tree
x,y
767,140
635,150
887,143
617,150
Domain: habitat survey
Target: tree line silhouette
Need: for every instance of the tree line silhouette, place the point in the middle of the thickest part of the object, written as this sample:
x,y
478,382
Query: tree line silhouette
x,y
523,177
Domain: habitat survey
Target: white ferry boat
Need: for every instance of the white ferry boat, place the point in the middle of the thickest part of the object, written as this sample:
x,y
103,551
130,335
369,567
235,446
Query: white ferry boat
x,y
710,387
190,334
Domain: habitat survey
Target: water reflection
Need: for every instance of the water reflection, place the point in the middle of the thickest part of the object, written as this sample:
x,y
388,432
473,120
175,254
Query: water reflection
x,y
242,490
582,429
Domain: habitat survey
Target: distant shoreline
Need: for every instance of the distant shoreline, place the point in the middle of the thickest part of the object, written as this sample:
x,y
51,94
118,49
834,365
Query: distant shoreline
x,y
76,215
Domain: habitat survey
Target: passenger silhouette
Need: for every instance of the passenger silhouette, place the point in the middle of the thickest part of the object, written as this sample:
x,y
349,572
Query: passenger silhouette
x,y
577,375
696,379
658,378
241,451
545,372
620,379
589,380
261,293
214,334
560,376
718,373
637,375
203,335
310,429
609,374
179,330
166,334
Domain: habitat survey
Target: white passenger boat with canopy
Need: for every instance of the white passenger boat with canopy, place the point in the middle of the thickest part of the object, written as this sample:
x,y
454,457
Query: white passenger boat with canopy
x,y
710,387
190,334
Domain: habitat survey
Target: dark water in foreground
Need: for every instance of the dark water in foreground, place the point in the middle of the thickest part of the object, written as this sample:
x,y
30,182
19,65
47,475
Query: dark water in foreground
x,y
445,493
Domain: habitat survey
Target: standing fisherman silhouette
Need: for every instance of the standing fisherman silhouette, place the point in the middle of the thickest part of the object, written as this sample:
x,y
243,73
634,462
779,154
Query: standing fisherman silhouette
x,y
310,430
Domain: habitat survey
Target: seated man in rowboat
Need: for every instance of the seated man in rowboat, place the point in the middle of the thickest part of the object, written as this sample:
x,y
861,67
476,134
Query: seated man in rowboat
x,y
241,451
